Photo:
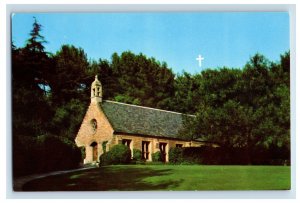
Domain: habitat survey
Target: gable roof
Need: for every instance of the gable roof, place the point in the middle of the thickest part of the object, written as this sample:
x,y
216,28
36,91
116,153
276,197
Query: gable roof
x,y
133,119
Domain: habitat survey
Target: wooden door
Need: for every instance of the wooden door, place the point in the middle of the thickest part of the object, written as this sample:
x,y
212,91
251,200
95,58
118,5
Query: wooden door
x,y
94,146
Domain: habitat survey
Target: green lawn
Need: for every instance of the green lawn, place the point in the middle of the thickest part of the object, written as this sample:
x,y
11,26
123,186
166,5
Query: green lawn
x,y
167,177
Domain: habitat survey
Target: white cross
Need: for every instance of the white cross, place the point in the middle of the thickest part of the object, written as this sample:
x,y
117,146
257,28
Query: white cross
x,y
200,58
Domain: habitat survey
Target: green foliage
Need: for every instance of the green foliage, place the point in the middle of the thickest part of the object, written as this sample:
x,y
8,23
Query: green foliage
x,y
156,157
105,159
118,154
65,155
141,80
193,155
36,40
69,77
176,155
227,124
104,146
207,155
137,154
187,89
69,116
218,86
30,106
44,153
127,99
244,109
188,130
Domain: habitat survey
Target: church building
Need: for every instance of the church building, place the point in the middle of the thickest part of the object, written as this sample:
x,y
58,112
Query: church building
x,y
107,123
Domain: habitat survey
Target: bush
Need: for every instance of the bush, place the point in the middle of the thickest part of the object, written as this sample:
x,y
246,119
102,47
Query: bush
x,y
205,155
156,157
105,159
194,155
176,155
58,153
118,154
44,153
137,155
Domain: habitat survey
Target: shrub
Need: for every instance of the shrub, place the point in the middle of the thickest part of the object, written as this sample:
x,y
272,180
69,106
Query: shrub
x,y
203,155
118,154
44,153
176,155
156,157
105,159
137,155
194,155
60,153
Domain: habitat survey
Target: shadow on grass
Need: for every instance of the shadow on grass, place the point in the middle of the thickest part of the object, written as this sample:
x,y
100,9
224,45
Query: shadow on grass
x,y
121,178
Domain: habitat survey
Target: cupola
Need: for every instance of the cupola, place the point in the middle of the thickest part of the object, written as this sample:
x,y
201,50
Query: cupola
x,y
96,90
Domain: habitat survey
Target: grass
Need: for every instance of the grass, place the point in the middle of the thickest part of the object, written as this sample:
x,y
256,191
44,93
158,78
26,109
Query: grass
x,y
167,177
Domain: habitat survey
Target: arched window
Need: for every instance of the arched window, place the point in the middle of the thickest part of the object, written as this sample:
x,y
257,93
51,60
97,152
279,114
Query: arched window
x,y
98,91
94,125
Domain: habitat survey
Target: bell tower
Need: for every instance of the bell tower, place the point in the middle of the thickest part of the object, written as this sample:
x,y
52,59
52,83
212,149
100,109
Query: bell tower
x,y
96,91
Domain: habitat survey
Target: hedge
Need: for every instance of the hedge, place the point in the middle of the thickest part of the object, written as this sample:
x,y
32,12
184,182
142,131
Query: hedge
x,y
230,156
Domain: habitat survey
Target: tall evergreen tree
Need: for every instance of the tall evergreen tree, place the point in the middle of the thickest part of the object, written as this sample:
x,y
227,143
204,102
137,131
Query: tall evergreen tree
x,y
36,40
28,67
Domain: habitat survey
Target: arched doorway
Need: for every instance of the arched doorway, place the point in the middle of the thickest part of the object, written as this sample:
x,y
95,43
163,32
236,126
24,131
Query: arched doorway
x,y
94,145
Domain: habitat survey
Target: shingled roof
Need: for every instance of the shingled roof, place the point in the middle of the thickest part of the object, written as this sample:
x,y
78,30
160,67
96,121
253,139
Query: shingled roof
x,y
132,119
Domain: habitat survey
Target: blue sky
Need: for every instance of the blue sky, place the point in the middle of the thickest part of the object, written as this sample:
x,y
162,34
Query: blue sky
x,y
223,39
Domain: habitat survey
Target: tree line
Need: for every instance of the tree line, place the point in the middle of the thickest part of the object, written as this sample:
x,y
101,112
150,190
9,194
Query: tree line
x,y
236,107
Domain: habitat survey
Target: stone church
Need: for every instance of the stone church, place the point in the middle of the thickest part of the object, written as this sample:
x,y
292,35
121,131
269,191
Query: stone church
x,y
107,123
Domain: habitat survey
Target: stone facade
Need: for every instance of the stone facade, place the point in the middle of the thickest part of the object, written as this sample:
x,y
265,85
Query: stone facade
x,y
92,138
105,125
